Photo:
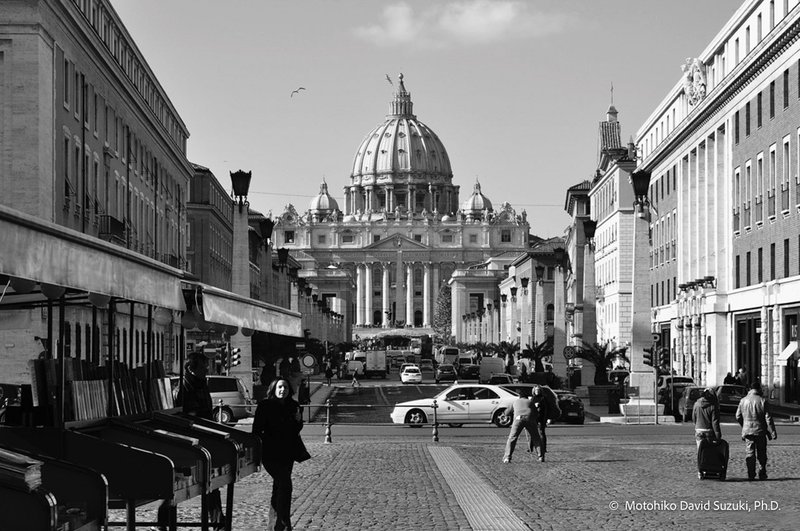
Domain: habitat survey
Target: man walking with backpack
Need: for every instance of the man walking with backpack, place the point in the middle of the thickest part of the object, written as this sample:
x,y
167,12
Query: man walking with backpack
x,y
757,426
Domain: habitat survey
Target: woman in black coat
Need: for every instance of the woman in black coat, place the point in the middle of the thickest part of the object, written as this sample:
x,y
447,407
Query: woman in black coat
x,y
277,423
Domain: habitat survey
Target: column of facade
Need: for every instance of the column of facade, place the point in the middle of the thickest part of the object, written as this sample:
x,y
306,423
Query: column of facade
x,y
359,294
539,313
368,292
385,294
559,323
436,283
410,294
426,294
399,294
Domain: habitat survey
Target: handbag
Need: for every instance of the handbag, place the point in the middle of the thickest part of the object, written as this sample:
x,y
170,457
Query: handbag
x,y
301,454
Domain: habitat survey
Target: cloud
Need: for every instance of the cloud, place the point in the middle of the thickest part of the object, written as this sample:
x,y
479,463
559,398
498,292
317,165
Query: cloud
x,y
470,22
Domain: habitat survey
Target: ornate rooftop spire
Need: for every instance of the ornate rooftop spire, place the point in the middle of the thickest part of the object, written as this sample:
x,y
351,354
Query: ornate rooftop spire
x,y
402,105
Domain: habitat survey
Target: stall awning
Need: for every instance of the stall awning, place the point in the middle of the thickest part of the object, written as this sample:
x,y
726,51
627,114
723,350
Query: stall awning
x,y
38,250
224,307
787,353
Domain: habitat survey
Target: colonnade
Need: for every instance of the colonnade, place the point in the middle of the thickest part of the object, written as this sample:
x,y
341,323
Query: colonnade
x,y
403,296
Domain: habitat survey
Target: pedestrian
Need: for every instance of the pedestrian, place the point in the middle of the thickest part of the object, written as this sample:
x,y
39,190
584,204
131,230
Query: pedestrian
x,y
741,377
757,426
328,373
194,398
278,421
729,379
705,416
540,402
355,383
523,417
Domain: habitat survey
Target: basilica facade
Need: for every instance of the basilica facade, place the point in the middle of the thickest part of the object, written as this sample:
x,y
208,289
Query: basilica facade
x,y
401,230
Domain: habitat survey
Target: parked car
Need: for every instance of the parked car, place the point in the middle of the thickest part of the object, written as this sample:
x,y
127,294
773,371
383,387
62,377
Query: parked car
x,y
571,406
404,365
426,365
457,405
445,371
469,371
670,393
235,398
665,380
501,379
729,396
690,395
411,374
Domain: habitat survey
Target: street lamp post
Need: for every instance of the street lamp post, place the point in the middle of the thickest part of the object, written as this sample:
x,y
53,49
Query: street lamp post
x,y
480,313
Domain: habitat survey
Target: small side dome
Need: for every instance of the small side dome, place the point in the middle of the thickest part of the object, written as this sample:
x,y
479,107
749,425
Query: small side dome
x,y
477,202
323,203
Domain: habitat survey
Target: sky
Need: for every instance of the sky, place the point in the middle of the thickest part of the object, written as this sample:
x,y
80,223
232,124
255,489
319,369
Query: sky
x,y
514,89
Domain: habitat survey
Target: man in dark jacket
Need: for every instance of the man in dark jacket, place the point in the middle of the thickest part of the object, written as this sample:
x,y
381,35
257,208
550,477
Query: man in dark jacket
x,y
705,416
757,425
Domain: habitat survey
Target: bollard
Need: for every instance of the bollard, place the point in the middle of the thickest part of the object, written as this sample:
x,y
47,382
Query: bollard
x,y
328,421
219,412
435,423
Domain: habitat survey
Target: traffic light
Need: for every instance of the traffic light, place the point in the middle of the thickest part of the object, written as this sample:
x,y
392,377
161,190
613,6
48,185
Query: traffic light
x,y
663,357
648,356
236,357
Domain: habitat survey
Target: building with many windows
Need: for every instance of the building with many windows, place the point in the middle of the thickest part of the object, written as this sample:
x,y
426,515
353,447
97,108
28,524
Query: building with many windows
x,y
402,230
723,151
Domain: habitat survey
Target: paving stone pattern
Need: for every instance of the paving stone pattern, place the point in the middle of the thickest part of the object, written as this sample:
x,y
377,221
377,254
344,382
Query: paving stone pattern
x,y
372,483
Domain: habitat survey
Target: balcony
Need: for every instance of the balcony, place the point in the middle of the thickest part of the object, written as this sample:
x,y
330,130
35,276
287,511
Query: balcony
x,y
112,230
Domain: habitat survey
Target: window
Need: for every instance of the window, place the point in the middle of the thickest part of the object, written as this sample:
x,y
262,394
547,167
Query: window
x,y
376,238
772,261
321,239
758,110
771,14
505,236
66,82
347,238
747,40
473,238
785,88
786,257
288,236
758,28
418,237
761,264
736,127
447,238
772,100
747,119
747,276
738,272
786,163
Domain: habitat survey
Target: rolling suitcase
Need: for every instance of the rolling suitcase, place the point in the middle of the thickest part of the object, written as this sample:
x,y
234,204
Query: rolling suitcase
x,y
712,459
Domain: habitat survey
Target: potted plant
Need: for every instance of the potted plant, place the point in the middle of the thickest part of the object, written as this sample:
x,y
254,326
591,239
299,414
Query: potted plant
x,y
602,356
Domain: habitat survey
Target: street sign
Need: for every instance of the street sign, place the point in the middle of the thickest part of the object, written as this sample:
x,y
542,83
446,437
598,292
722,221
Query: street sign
x,y
308,360
656,338
300,345
569,352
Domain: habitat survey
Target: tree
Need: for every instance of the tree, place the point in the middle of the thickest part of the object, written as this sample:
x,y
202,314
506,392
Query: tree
x,y
538,352
442,316
602,355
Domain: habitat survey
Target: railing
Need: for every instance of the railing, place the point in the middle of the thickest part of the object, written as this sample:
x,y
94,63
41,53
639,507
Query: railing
x,y
328,405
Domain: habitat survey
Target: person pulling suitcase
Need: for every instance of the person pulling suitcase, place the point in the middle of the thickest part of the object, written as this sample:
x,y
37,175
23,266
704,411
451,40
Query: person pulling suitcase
x,y
712,449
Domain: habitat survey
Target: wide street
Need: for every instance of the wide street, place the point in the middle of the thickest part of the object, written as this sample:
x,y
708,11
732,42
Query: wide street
x,y
597,476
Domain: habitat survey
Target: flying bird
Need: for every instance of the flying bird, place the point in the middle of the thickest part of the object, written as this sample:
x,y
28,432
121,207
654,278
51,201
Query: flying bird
x,y
296,91
389,80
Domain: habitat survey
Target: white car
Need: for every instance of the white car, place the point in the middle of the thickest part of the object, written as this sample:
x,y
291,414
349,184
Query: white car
x,y
411,374
458,404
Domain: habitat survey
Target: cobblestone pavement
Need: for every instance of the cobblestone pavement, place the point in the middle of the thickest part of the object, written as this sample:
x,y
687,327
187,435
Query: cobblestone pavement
x,y
597,482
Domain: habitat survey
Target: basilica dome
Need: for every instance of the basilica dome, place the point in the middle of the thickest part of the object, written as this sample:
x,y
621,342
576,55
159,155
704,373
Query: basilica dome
x,y
323,203
401,149
477,202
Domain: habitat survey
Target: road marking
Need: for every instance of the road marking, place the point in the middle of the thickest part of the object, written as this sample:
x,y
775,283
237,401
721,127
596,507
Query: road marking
x,y
482,506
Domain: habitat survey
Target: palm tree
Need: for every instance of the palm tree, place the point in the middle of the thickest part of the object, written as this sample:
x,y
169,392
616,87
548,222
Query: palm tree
x,y
538,352
602,355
